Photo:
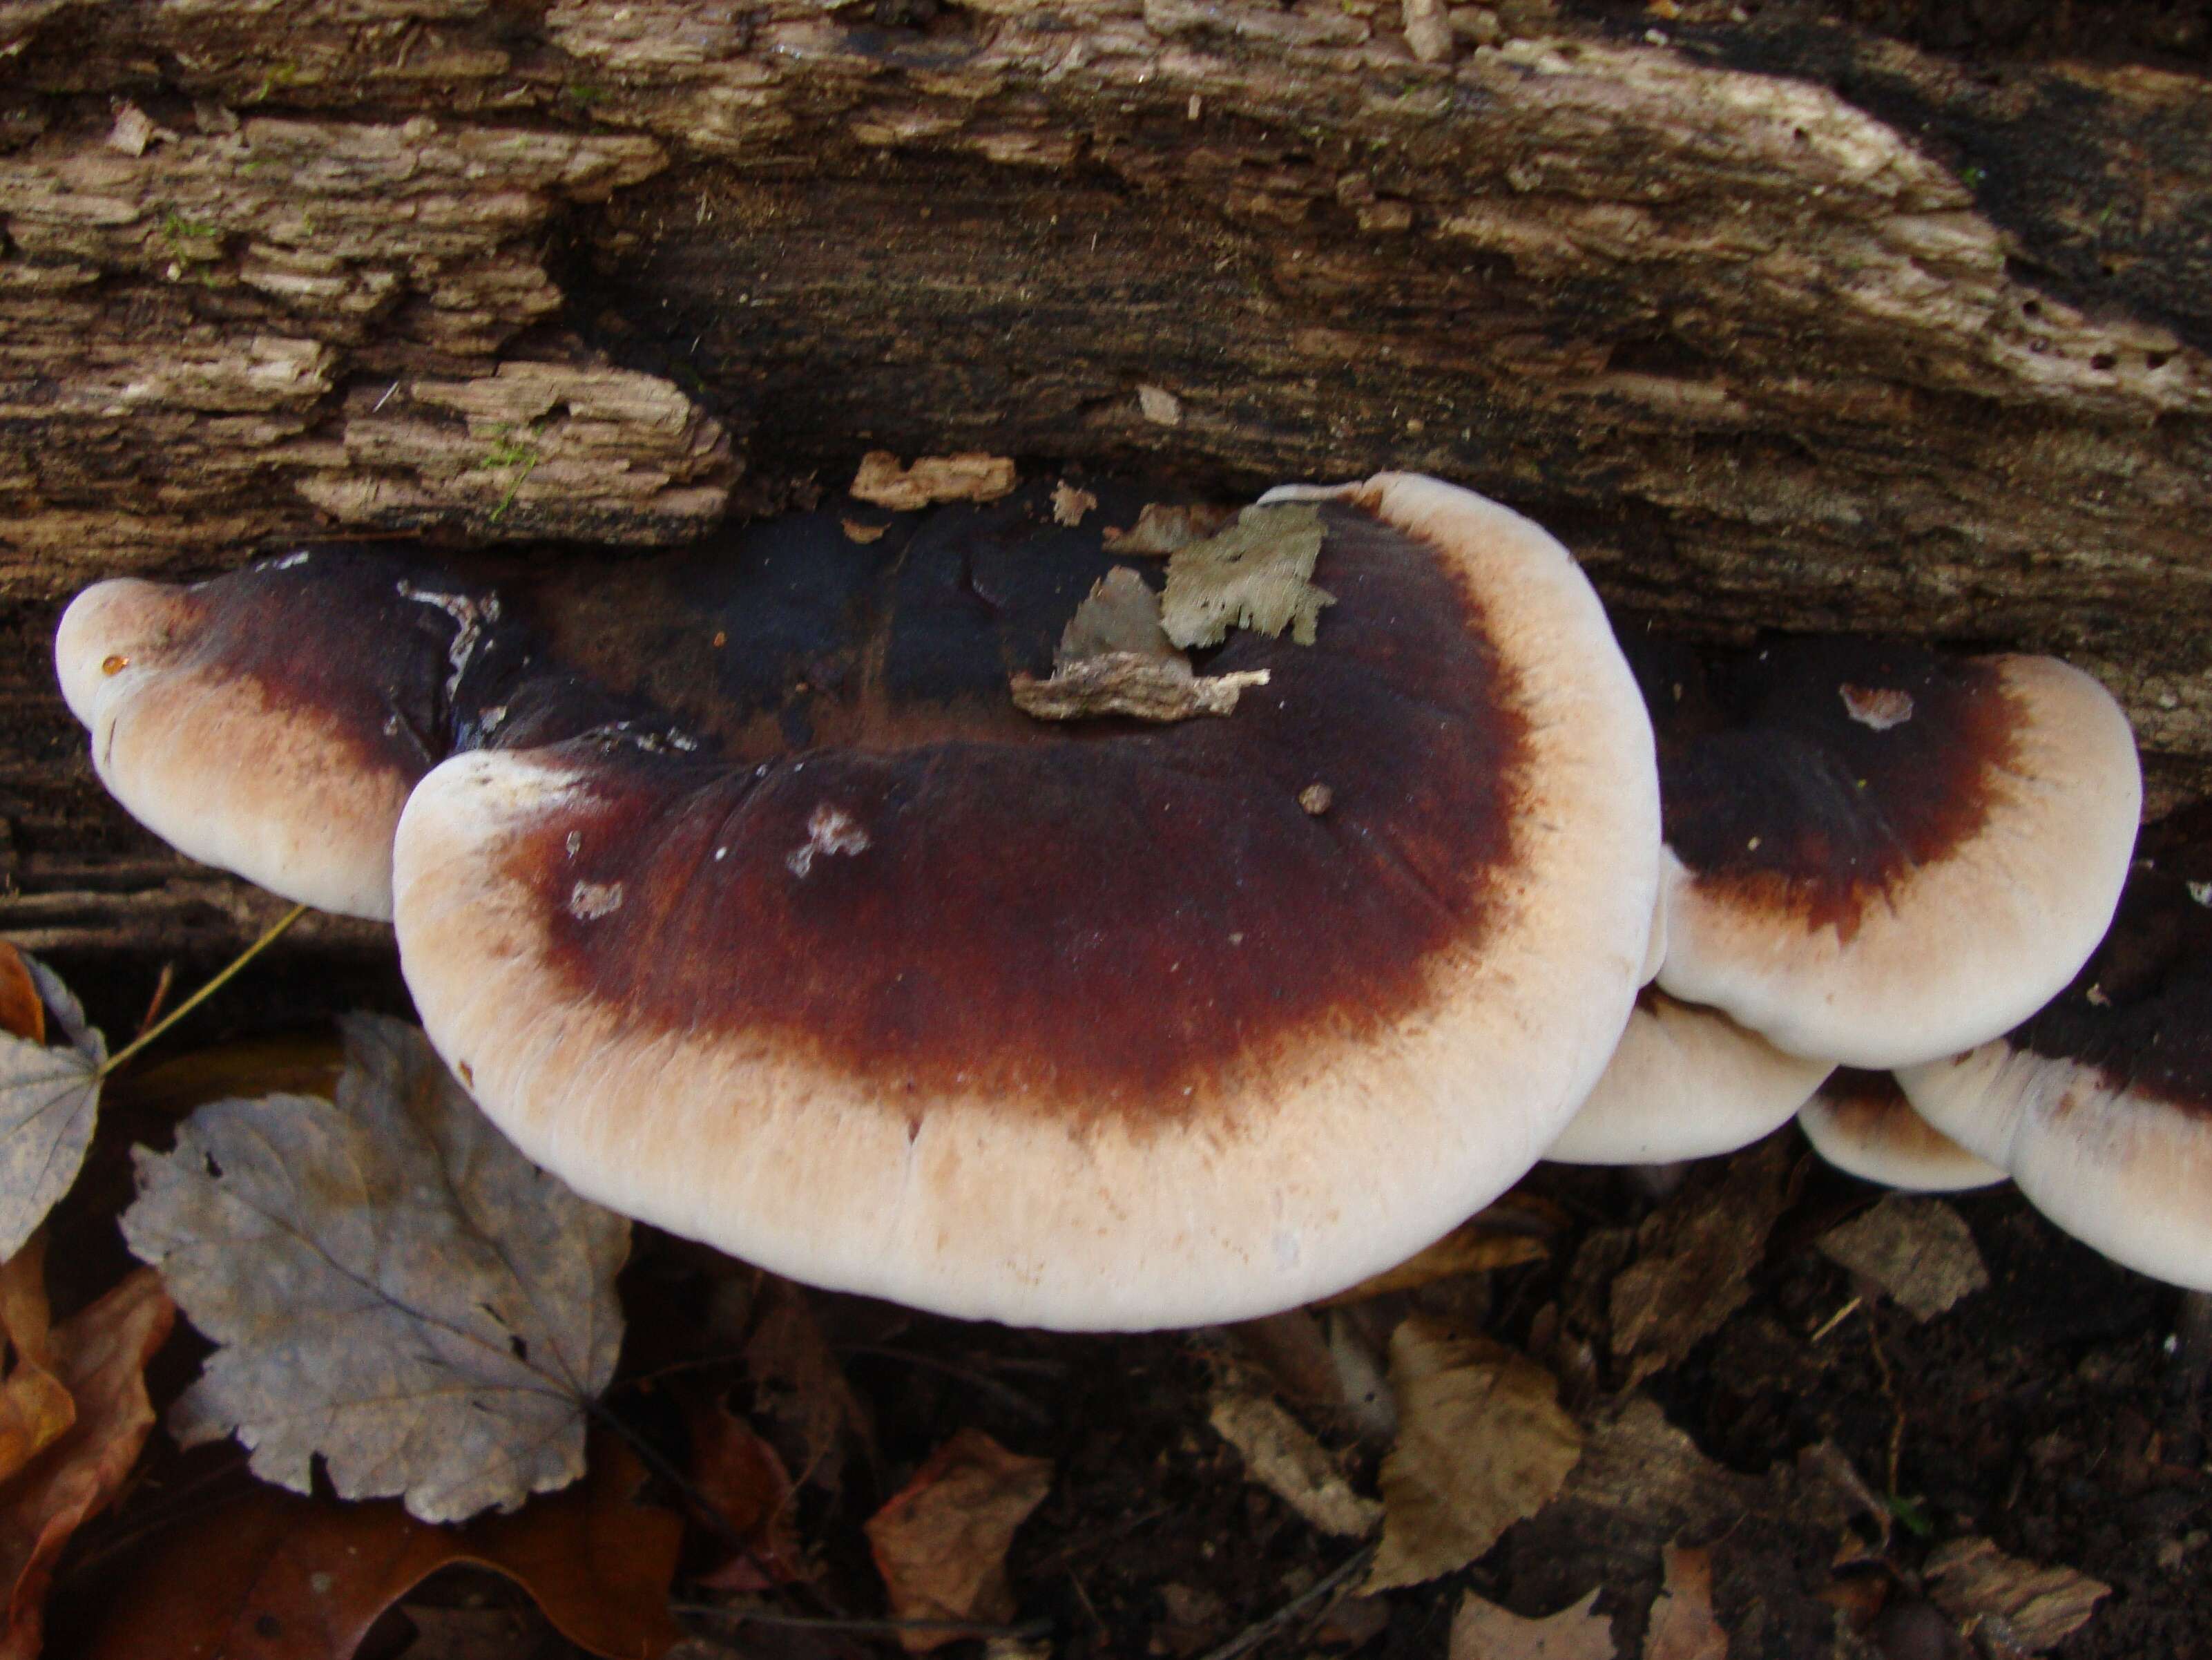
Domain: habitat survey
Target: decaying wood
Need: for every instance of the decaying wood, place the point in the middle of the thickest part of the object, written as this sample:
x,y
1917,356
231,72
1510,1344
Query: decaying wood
x,y
1778,323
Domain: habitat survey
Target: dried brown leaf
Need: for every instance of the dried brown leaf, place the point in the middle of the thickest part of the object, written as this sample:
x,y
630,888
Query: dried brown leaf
x,y
740,1475
1482,1443
1474,1247
800,1389
35,1407
1682,1624
283,1578
22,1014
1696,1257
392,1286
1282,1455
1115,658
941,1543
49,1099
100,1356
1162,527
2034,1607
1255,574
1482,1630
1917,1249
971,476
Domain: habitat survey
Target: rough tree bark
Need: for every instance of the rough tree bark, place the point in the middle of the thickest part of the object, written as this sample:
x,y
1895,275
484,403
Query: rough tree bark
x,y
1778,323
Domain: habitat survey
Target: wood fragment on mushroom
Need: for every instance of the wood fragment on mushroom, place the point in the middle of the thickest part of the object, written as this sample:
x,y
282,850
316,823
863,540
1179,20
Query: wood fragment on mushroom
x,y
1115,658
1254,574
966,477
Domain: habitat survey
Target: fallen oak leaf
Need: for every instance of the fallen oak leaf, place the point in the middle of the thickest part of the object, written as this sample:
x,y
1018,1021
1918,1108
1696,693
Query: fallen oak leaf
x,y
1480,1630
99,1355
1482,1443
36,1406
391,1285
283,1578
49,1099
941,1542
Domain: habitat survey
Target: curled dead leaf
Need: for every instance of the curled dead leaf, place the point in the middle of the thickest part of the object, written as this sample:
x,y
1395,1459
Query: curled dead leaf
x,y
391,1285
941,1542
1482,1443
100,1356
283,1578
1682,1624
35,1407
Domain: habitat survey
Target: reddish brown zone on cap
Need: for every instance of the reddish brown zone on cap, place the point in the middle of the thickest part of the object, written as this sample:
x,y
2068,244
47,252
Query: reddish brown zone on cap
x,y
330,639
1770,788
1105,921
2140,1011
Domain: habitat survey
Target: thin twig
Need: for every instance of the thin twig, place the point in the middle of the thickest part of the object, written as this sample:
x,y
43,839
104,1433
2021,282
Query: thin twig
x,y
1004,1394
268,939
1024,1633
1835,1320
161,987
1324,1593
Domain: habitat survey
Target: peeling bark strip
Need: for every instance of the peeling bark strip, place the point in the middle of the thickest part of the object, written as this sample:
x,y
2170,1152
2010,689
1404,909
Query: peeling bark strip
x,y
1780,324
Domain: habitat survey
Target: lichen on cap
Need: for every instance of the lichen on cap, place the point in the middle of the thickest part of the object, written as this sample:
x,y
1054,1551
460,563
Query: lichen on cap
x,y
889,987
1877,855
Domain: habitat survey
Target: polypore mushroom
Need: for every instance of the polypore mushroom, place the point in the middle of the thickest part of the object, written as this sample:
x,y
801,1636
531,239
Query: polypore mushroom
x,y
1876,855
1080,1024
1685,1082
1860,1121
272,721
2100,1106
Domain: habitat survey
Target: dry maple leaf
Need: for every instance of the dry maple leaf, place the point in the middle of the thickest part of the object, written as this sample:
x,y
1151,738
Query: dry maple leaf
x,y
392,1286
100,1356
1482,1441
941,1542
35,1407
1482,1630
49,1098
281,1578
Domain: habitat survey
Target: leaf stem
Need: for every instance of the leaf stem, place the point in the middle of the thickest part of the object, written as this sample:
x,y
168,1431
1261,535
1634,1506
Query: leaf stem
x,y
268,938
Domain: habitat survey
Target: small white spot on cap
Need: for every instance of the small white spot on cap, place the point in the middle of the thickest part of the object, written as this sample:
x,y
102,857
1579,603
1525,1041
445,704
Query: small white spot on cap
x,y
1286,1249
575,843
1878,707
590,901
289,561
2202,893
829,830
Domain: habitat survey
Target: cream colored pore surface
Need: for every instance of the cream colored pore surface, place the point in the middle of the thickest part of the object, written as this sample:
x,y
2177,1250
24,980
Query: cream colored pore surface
x,y
1336,1159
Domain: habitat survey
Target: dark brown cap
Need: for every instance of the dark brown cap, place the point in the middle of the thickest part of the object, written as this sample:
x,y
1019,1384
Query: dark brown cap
x,y
272,721
1878,854
1077,1024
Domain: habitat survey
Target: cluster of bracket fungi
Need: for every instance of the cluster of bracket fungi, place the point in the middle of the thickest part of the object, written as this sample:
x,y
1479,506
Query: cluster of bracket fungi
x,y
749,890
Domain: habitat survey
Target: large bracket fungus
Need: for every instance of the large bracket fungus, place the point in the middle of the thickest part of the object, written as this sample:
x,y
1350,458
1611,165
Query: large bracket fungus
x,y
742,895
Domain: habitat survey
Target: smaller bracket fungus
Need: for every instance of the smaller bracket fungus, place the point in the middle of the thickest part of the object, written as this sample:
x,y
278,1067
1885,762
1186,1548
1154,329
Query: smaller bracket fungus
x,y
1861,1122
1876,855
1087,1024
1685,1083
2100,1106
272,721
